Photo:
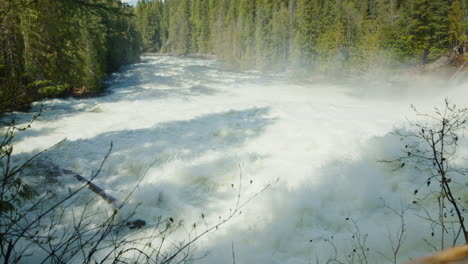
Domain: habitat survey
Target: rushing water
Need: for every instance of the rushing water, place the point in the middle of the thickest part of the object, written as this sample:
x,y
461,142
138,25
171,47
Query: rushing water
x,y
204,127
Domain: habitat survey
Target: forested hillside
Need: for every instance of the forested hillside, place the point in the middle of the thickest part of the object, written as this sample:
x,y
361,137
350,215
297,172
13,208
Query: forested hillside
x,y
51,48
346,35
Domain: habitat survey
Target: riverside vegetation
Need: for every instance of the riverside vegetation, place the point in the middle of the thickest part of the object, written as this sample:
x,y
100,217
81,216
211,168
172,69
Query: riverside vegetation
x,y
342,36
53,48
56,48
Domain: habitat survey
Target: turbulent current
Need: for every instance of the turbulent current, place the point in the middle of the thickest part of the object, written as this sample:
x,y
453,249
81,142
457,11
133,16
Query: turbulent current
x,y
212,134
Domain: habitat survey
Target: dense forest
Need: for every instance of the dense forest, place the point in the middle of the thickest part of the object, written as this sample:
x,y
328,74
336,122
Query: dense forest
x,y
349,36
53,48
50,48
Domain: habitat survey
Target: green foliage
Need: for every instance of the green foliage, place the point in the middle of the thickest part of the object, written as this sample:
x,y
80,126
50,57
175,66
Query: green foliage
x,y
458,22
148,24
347,36
68,44
53,90
47,88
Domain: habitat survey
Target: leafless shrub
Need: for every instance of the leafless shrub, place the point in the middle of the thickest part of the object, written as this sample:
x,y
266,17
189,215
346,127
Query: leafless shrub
x,y
431,146
62,232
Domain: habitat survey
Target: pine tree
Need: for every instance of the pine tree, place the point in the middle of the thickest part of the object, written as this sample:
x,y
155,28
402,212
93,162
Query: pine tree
x,y
280,35
49,48
338,35
457,29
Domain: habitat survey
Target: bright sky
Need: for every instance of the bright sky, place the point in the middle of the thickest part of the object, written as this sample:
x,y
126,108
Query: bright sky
x,y
130,2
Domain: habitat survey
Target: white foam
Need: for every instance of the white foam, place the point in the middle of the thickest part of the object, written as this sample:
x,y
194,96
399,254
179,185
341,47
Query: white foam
x,y
322,141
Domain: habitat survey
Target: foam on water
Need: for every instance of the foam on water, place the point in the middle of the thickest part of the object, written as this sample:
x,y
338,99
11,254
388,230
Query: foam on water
x,y
203,125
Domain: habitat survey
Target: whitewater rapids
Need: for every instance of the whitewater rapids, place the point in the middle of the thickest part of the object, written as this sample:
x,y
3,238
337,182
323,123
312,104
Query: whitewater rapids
x,y
204,126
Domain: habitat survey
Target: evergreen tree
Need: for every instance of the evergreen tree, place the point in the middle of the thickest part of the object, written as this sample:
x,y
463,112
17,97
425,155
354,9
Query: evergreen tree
x,y
337,35
148,22
458,23
50,48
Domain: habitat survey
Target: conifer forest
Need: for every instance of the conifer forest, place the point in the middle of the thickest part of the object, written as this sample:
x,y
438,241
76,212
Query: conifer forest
x,y
234,131
56,47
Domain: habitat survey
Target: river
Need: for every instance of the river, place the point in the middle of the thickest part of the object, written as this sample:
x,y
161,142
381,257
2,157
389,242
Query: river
x,y
203,127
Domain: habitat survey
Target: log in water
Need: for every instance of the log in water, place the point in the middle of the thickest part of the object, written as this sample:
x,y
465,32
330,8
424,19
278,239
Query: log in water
x,y
93,187
201,126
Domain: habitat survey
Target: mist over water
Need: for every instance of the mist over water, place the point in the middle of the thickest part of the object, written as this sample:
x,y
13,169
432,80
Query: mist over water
x,y
205,126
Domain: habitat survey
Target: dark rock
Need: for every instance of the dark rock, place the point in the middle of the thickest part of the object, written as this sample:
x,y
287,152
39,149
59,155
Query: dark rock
x,y
135,223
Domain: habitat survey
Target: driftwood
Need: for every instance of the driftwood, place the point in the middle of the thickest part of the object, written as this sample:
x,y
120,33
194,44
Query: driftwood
x,y
93,187
107,197
456,255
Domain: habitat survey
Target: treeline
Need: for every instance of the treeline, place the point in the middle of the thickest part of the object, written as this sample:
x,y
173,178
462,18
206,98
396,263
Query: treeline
x,y
324,35
50,48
